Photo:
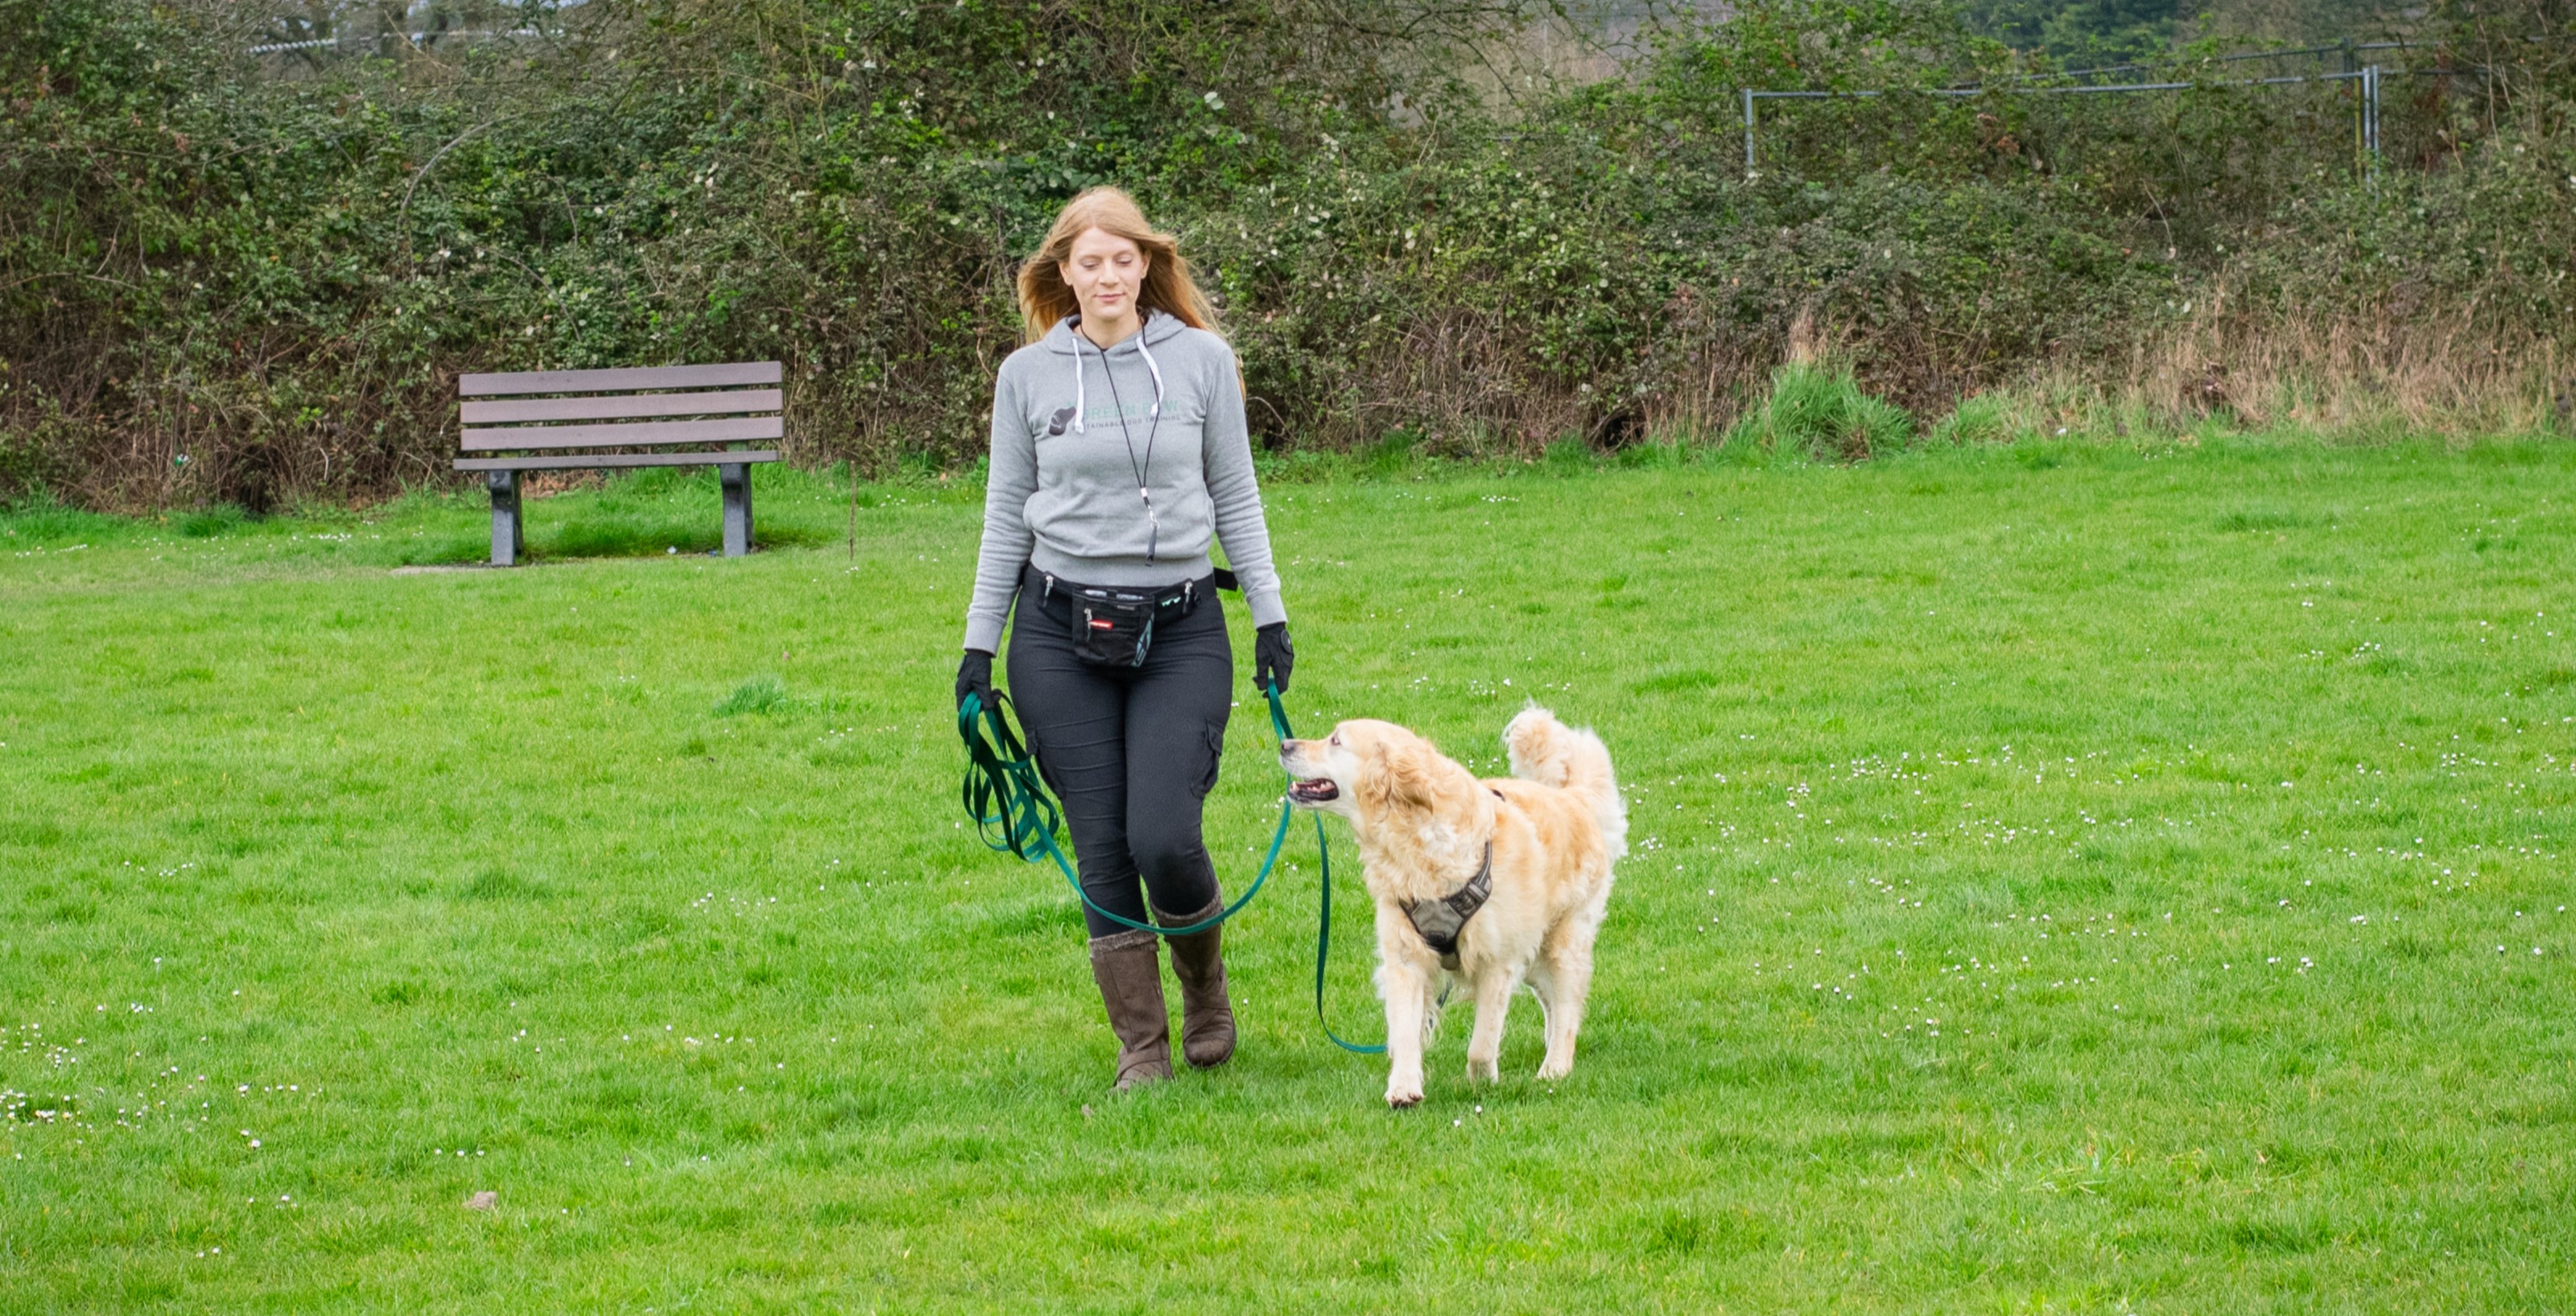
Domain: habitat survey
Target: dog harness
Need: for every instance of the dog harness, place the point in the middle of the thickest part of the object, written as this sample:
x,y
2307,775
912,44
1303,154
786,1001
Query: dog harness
x,y
1441,921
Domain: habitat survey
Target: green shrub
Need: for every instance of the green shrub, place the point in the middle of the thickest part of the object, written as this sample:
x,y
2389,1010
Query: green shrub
x,y
1979,418
760,694
1820,411
39,518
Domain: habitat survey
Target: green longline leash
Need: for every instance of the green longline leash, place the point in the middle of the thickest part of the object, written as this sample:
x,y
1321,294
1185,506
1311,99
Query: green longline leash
x,y
1014,814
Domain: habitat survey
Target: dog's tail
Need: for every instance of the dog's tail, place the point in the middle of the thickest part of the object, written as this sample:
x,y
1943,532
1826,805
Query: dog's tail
x,y
1551,753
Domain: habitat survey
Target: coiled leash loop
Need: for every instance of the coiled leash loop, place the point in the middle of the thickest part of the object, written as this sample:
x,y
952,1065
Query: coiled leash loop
x,y
1014,814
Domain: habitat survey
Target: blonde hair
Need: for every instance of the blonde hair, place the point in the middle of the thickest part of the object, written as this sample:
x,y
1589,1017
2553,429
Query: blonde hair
x,y
1045,298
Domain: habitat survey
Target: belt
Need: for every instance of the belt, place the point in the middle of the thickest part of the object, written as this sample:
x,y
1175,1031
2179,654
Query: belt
x,y
1055,595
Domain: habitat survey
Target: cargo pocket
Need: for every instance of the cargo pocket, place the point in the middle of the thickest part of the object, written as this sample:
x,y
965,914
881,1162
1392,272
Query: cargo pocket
x,y
1215,734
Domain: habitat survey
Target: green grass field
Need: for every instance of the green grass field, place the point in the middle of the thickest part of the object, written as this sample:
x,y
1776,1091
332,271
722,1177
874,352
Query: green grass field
x,y
2065,878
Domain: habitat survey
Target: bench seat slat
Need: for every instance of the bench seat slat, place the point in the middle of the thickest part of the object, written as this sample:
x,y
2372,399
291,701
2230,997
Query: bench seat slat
x,y
748,428
617,381
611,408
618,459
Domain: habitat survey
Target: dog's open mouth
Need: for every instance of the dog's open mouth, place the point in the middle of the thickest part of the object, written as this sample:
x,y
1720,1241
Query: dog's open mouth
x,y
1314,790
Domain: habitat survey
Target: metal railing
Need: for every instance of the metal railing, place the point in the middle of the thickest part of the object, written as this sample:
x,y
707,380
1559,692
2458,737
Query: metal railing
x,y
2369,76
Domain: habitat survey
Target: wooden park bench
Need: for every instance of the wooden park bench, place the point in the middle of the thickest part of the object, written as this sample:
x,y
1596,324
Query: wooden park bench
x,y
554,415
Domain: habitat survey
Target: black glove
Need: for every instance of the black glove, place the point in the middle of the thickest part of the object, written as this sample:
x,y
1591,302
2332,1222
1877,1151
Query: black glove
x,y
975,677
1272,656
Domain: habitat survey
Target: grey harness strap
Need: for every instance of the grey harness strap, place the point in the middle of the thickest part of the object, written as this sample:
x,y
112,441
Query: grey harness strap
x,y
1440,921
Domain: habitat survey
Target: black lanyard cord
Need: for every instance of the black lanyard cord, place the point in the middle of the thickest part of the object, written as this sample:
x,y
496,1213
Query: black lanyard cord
x,y
1153,522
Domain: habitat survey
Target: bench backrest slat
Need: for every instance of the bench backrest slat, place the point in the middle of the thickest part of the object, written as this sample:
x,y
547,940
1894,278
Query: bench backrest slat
x,y
614,381
610,436
662,405
617,407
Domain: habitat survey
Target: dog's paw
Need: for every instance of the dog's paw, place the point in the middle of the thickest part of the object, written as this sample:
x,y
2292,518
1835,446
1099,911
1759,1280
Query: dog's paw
x,y
1488,1070
1552,1070
1403,1098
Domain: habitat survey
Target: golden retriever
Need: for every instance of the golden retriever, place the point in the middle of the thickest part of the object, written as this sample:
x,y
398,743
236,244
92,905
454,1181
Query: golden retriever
x,y
1426,826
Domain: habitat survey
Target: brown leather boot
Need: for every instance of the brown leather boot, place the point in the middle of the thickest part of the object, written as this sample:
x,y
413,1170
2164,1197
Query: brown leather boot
x,y
1130,974
1207,1017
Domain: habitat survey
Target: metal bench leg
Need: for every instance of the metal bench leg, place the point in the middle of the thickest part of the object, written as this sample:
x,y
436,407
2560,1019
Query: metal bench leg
x,y
507,540
737,508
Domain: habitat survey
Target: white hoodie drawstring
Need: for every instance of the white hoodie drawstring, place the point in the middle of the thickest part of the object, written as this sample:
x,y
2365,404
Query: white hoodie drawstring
x,y
1151,367
1077,378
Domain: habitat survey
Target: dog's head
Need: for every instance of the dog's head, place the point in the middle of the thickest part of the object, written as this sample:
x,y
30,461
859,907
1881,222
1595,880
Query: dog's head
x,y
1373,772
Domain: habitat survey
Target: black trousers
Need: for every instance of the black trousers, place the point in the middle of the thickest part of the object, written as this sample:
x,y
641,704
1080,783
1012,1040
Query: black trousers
x,y
1130,751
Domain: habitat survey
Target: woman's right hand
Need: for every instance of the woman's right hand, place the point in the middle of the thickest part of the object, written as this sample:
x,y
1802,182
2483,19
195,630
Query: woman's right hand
x,y
975,677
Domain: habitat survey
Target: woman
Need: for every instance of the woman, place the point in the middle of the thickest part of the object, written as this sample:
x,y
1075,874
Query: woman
x,y
1119,452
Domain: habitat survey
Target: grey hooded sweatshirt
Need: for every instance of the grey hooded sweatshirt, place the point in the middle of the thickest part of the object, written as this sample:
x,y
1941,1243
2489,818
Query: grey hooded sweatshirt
x,y
1073,427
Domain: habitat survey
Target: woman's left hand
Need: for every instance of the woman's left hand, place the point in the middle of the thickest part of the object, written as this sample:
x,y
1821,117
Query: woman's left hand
x,y
1272,656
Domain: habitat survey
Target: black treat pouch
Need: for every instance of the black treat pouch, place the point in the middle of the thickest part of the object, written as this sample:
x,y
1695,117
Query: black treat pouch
x,y
1112,627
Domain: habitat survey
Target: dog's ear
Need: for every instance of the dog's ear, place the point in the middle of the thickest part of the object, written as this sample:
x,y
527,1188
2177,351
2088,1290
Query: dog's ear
x,y
1401,779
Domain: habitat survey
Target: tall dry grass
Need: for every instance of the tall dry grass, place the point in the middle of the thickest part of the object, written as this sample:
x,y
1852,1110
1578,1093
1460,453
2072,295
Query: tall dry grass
x,y
2338,378
2342,376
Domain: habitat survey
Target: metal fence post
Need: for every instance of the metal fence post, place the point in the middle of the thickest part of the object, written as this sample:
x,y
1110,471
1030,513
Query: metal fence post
x,y
1748,133
2370,98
